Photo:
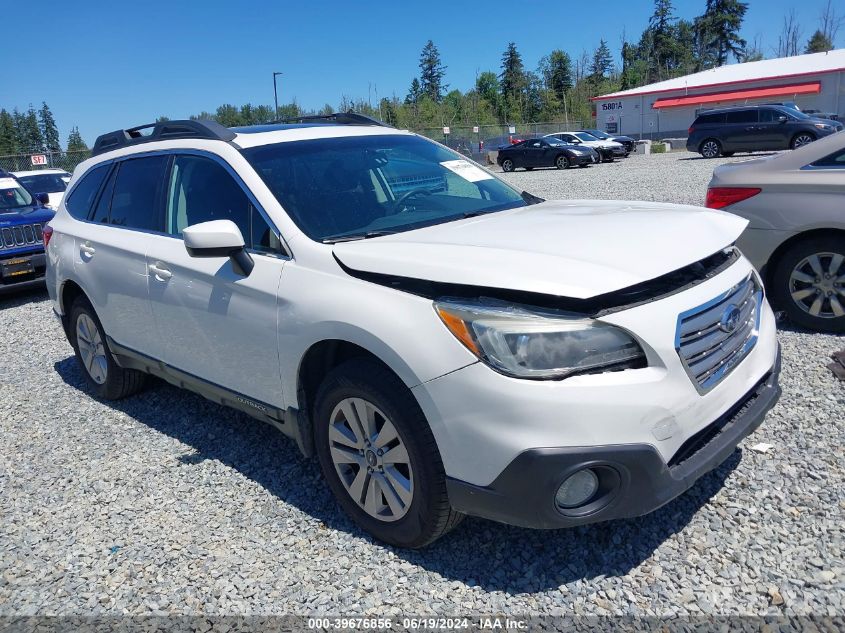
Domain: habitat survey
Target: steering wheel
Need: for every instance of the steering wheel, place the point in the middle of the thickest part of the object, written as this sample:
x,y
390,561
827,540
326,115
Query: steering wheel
x,y
420,191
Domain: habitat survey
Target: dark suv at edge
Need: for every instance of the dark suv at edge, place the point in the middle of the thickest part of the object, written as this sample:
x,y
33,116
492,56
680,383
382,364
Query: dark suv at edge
x,y
723,131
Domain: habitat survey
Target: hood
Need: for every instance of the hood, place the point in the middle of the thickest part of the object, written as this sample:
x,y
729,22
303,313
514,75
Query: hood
x,y
26,215
578,249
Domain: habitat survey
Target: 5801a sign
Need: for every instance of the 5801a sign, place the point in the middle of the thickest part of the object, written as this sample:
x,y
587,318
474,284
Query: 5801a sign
x,y
613,105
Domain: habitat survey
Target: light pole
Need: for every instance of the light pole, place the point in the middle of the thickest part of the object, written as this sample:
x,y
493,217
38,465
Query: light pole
x,y
276,93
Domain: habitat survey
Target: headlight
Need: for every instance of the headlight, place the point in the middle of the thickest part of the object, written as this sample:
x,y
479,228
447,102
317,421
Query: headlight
x,y
525,343
823,126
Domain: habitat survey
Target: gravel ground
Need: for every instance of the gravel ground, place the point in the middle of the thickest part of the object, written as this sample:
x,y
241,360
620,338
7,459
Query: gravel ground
x,y
166,503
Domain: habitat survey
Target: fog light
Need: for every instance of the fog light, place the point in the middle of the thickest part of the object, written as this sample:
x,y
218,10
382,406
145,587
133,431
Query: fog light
x,y
577,489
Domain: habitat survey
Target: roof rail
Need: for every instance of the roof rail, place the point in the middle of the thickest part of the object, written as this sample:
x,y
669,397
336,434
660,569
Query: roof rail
x,y
163,131
340,118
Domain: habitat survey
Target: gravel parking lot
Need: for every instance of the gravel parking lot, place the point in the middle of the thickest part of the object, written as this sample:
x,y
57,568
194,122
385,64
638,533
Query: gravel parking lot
x,y
167,503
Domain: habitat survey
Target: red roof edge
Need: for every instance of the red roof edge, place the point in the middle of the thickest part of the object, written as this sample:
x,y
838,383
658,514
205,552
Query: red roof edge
x,y
713,85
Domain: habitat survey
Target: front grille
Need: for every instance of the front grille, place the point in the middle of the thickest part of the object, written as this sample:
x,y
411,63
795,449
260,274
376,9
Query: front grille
x,y
713,338
22,235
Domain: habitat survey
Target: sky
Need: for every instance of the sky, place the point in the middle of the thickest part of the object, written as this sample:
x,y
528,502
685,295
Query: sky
x,y
106,65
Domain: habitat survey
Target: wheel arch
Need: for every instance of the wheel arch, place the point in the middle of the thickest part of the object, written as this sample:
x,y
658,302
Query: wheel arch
x,y
768,269
69,292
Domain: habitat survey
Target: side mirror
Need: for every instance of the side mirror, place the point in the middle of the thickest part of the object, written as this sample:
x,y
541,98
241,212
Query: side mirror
x,y
43,198
782,118
219,238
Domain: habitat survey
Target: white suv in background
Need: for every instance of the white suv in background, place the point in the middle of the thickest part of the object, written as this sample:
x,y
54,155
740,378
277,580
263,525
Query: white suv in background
x,y
445,344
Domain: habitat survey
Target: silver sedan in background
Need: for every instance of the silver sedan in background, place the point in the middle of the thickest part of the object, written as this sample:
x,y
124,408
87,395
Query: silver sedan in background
x,y
795,204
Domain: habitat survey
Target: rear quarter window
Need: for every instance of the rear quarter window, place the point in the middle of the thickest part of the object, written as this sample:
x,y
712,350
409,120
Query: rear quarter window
x,y
81,199
710,118
742,116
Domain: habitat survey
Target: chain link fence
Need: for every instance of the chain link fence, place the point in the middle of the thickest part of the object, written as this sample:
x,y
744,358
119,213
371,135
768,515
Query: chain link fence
x,y
476,140
43,160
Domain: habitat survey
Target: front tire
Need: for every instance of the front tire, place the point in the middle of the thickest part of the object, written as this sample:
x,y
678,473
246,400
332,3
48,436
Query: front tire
x,y
808,283
379,456
711,148
103,376
801,139
507,165
562,162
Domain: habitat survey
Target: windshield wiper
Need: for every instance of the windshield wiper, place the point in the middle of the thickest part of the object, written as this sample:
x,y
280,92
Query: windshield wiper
x,y
351,237
530,198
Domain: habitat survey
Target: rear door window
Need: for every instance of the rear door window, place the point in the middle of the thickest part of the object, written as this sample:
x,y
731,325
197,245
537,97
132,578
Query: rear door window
x,y
767,115
81,199
135,201
741,116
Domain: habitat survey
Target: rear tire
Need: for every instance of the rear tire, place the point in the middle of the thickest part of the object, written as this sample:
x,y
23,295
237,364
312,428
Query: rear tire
x,y
802,278
507,165
355,463
710,148
104,377
728,154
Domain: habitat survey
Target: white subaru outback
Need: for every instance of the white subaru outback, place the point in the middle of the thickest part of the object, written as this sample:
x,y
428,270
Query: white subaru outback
x,y
445,344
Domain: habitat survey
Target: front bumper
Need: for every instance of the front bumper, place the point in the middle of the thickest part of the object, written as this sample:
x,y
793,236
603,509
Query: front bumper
x,y
22,270
584,159
636,481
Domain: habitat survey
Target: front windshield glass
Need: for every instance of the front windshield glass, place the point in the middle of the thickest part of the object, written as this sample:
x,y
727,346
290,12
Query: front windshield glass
x,y
585,137
44,183
363,186
598,134
12,195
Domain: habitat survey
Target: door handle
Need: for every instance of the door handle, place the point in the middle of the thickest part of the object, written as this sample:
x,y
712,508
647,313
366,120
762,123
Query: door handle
x,y
87,249
160,272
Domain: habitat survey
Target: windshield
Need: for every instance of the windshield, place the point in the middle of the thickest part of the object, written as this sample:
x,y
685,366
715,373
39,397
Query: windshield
x,y
12,195
44,183
598,134
585,137
363,186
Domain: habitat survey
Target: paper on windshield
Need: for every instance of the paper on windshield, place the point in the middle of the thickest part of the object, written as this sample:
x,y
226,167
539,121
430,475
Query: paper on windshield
x,y
8,183
466,170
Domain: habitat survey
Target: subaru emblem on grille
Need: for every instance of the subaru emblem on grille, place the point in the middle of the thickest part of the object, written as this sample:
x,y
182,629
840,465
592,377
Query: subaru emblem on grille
x,y
730,319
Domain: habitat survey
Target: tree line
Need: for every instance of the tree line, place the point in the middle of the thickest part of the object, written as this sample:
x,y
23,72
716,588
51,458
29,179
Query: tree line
x,y
34,132
558,89
561,86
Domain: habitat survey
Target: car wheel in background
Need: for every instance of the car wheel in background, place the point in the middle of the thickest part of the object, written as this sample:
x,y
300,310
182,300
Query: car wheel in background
x,y
808,283
562,162
104,377
379,456
802,139
507,165
711,148
728,154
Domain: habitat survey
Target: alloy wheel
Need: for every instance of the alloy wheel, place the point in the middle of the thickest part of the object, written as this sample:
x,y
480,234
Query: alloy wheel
x,y
710,149
817,285
371,459
562,162
507,165
801,139
91,349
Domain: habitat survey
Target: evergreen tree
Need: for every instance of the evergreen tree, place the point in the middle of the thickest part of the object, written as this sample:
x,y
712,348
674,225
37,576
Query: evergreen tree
x,y
512,80
75,142
48,129
719,27
818,43
432,72
29,139
663,39
556,71
414,92
162,119
602,62
8,144
487,86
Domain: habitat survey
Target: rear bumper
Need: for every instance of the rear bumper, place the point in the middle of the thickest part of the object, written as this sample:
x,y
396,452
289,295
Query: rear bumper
x,y
635,479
